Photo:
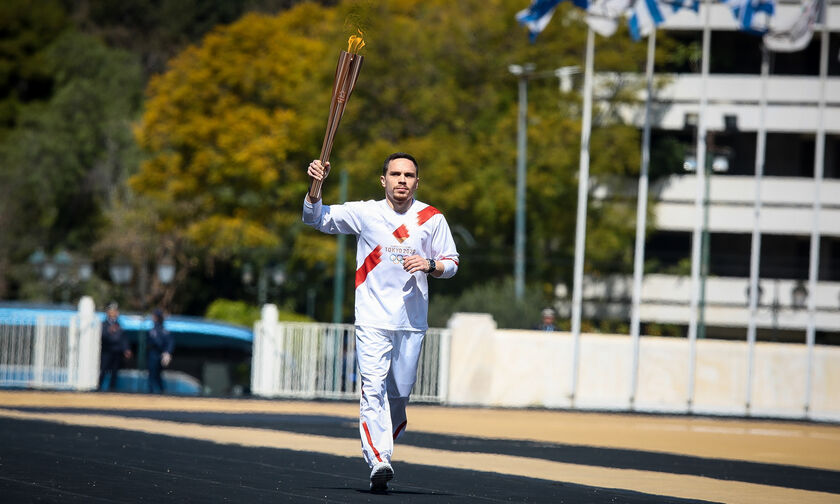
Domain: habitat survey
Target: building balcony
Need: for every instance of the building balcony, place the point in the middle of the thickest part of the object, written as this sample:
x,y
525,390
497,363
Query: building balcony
x,y
665,300
786,206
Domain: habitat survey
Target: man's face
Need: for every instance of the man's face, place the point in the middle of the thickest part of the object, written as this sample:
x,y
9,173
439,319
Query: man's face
x,y
400,180
113,313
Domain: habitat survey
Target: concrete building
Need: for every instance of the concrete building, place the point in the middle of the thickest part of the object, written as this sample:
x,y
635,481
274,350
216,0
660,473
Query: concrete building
x,y
788,187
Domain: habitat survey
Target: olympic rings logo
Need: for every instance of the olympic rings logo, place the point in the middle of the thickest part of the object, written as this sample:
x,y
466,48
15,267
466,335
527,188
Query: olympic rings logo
x,y
397,258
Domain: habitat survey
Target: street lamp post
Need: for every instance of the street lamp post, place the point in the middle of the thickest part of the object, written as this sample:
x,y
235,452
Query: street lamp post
x,y
121,271
718,164
166,271
265,273
799,295
522,72
564,74
62,271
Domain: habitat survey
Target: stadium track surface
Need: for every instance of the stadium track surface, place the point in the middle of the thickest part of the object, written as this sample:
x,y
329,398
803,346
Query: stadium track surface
x,y
67,447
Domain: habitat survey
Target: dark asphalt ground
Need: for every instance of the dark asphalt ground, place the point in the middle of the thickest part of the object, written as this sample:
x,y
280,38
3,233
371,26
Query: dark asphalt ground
x,y
50,462
324,425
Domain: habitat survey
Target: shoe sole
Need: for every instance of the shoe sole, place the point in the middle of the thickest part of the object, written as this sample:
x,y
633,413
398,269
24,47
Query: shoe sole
x,y
379,480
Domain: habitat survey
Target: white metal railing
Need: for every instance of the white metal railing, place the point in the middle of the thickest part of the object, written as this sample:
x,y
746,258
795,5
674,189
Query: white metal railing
x,y
314,360
50,352
433,368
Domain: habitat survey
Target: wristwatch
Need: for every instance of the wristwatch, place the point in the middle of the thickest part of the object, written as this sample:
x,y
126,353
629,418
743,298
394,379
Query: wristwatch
x,y
431,265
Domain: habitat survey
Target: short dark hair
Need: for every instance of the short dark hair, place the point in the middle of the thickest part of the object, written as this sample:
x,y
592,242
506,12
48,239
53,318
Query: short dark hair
x,y
399,155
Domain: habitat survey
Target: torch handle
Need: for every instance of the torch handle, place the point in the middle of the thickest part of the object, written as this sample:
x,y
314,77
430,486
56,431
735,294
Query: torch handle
x,y
346,73
315,186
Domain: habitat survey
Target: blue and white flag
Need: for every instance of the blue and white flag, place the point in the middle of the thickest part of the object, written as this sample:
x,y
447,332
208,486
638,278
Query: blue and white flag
x,y
798,35
537,16
646,15
753,16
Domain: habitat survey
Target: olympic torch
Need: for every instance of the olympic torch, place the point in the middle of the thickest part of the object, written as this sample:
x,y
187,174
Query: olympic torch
x,y
346,74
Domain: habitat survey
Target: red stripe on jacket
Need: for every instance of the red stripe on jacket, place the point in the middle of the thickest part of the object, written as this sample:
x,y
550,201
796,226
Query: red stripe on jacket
x,y
426,214
374,258
401,233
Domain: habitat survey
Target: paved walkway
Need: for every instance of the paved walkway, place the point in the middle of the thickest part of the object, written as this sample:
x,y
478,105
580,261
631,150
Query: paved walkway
x,y
69,447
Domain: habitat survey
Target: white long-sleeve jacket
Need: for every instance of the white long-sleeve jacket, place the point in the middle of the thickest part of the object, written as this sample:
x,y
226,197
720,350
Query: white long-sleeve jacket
x,y
387,297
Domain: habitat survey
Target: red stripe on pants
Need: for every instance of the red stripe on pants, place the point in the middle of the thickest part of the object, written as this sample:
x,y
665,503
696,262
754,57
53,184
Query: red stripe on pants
x,y
374,258
401,427
370,442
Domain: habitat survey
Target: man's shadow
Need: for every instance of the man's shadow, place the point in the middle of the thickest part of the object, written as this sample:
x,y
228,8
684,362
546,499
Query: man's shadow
x,y
387,492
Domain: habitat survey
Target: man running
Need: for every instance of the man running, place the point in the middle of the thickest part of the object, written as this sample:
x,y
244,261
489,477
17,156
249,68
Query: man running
x,y
400,241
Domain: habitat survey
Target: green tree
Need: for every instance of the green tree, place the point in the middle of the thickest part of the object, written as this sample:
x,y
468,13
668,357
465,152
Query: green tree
x,y
226,129
64,162
27,28
230,127
158,30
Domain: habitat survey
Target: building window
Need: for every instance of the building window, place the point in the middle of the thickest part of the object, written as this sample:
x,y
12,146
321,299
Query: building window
x,y
685,57
784,256
668,252
735,52
830,260
729,254
832,157
789,155
807,61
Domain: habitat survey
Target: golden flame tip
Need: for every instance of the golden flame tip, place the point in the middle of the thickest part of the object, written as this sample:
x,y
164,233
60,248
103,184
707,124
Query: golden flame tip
x,y
356,43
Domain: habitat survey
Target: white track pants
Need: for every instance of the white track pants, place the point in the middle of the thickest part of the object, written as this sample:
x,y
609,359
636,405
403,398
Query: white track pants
x,y
388,367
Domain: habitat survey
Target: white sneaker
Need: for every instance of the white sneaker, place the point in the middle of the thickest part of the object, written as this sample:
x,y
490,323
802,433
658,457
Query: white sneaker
x,y
381,474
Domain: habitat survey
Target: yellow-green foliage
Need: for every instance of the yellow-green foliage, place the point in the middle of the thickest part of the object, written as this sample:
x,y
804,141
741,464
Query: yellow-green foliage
x,y
241,313
227,126
230,127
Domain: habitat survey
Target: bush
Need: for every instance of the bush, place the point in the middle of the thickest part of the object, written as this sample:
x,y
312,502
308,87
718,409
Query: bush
x,y
242,313
496,298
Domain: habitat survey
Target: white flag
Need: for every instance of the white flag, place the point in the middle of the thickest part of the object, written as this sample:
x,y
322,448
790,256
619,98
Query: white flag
x,y
603,15
798,35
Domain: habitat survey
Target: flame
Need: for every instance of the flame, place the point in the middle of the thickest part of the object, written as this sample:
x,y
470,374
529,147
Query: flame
x,y
355,43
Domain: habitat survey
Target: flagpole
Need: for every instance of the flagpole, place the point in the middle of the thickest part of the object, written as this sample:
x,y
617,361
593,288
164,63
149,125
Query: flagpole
x,y
583,192
700,173
755,249
814,263
641,223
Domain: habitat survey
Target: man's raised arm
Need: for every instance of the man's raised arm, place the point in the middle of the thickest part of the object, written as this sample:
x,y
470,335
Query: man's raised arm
x,y
316,171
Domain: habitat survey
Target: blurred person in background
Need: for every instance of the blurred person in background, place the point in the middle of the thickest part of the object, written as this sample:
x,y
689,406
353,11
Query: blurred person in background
x,y
114,347
548,321
160,347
